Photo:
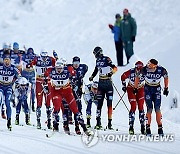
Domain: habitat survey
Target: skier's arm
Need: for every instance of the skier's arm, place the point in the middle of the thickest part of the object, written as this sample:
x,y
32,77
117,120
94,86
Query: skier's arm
x,y
33,62
166,78
93,74
53,61
114,68
71,70
125,75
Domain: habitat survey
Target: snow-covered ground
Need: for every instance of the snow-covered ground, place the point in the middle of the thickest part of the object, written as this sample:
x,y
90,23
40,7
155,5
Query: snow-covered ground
x,y
75,28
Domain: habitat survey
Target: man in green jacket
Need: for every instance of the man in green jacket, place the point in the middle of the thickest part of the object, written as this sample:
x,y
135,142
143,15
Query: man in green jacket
x,y
128,32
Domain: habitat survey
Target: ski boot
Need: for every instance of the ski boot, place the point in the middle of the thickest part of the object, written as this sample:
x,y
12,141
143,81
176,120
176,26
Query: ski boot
x,y
131,130
109,124
66,129
77,130
49,124
98,125
143,129
160,130
3,114
55,126
148,130
9,126
88,125
38,124
17,119
27,119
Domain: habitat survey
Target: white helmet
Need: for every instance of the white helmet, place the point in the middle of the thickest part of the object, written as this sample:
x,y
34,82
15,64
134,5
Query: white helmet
x,y
44,53
94,85
59,63
23,81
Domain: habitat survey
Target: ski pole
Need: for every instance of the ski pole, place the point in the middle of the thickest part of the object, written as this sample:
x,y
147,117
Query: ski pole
x,y
120,96
119,101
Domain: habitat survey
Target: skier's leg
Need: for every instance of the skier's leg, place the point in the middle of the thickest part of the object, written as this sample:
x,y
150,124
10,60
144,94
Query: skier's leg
x,y
100,98
109,96
148,99
132,101
39,96
18,109
8,94
57,101
157,105
140,102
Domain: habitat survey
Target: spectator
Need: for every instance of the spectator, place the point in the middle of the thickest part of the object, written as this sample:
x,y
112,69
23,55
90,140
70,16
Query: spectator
x,y
118,42
128,33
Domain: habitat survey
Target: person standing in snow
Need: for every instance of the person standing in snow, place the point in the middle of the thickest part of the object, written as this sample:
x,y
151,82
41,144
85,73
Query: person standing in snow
x,y
153,73
128,33
117,39
134,100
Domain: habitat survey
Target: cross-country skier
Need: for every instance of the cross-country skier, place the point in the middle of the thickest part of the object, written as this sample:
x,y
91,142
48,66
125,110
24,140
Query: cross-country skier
x,y
106,69
61,89
90,96
8,74
16,59
134,100
29,74
42,63
153,73
77,85
6,48
22,89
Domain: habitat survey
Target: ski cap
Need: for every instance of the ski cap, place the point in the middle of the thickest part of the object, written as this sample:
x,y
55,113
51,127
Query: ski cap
x,y
97,51
117,16
76,59
153,61
15,46
30,50
139,65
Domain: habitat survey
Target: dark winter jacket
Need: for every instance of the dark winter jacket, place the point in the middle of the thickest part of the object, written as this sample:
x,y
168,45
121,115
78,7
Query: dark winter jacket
x,y
128,28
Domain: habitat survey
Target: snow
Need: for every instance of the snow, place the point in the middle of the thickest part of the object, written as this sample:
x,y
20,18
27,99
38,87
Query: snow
x,y
75,28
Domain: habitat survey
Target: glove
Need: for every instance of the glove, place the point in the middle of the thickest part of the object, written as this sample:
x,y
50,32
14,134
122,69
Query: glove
x,y
166,91
28,66
133,38
45,81
91,78
75,88
110,26
110,74
124,86
46,89
55,55
124,89
135,91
